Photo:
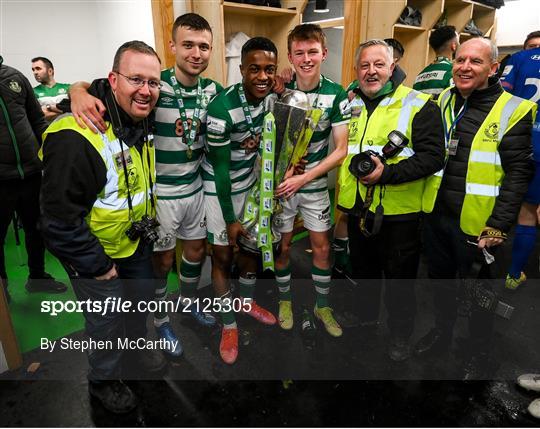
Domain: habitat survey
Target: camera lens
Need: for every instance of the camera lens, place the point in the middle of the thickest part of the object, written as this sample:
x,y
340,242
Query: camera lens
x,y
361,165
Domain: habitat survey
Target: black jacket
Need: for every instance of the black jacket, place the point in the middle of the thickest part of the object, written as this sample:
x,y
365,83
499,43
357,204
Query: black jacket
x,y
515,151
73,175
427,139
21,125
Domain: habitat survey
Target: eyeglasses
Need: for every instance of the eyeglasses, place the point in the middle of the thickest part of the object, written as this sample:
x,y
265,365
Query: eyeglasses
x,y
139,83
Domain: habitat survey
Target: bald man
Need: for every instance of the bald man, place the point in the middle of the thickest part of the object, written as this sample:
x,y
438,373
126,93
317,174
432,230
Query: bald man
x,y
475,199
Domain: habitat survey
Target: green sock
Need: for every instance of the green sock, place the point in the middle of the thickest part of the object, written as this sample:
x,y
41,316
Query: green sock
x,y
227,317
160,317
283,280
190,274
321,279
247,286
341,252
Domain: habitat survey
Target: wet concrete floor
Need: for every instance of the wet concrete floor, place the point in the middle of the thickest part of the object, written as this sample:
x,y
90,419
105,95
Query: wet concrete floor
x,y
279,381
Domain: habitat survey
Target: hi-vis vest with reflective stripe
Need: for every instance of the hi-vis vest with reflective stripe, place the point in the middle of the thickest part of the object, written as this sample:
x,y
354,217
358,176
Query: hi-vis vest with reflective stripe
x,y
395,112
109,218
484,171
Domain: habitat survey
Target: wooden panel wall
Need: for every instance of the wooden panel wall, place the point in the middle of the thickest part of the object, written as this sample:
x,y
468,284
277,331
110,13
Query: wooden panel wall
x,y
163,18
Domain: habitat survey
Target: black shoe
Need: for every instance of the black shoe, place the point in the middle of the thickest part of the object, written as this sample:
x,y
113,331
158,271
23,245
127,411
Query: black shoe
x,y
399,349
114,395
477,368
434,343
148,361
45,283
309,330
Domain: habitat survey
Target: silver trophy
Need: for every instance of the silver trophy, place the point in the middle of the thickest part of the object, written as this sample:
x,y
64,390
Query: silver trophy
x,y
295,121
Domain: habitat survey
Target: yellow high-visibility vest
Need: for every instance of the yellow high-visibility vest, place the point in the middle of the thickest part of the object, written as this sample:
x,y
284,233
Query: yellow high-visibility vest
x,y
109,218
484,170
394,112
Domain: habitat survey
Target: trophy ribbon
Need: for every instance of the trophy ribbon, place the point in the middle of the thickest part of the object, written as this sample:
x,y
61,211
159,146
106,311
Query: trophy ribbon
x,y
260,200
266,199
287,129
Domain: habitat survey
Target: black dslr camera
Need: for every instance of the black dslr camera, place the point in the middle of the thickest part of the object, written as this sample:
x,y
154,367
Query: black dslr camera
x,y
145,229
362,165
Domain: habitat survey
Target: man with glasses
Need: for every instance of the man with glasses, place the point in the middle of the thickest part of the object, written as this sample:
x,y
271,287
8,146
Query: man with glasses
x,y
180,134
98,210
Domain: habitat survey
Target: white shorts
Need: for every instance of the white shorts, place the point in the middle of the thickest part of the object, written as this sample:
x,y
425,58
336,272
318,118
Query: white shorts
x,y
182,218
314,208
217,228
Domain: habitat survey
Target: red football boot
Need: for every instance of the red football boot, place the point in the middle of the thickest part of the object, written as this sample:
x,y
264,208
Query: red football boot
x,y
260,314
228,347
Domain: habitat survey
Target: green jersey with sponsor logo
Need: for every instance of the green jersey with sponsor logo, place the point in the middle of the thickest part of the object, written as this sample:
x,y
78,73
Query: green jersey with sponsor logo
x,y
178,170
227,126
332,98
46,95
231,161
435,78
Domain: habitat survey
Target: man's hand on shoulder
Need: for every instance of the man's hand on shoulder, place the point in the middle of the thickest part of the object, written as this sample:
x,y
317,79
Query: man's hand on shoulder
x,y
282,79
87,109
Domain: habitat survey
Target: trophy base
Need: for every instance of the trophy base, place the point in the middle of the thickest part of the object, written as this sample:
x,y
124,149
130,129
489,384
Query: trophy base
x,y
249,244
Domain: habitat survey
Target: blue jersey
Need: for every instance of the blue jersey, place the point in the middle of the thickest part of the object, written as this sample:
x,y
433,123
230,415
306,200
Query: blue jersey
x,y
521,77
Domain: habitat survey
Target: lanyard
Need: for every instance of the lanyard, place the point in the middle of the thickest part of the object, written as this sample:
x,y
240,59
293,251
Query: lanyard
x,y
247,113
314,105
126,175
190,130
453,125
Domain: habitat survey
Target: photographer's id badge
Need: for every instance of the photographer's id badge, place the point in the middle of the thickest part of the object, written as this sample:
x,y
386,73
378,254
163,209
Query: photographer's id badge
x,y
452,146
126,155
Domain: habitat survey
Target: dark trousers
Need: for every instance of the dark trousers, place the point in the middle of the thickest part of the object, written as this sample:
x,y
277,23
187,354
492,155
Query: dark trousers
x,y
448,254
393,253
135,283
22,196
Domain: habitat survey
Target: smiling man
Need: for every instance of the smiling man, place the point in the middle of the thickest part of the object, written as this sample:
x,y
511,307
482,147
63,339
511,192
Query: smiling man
x,y
234,127
97,194
385,204
307,193
180,140
476,198
180,127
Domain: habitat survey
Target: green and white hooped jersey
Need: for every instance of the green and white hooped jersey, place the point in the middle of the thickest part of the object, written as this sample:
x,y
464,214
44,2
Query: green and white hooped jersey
x,y
435,78
332,98
227,125
178,176
56,94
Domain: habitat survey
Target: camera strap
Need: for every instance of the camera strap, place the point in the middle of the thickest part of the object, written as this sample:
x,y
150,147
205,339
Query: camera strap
x,y
378,215
126,175
119,131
